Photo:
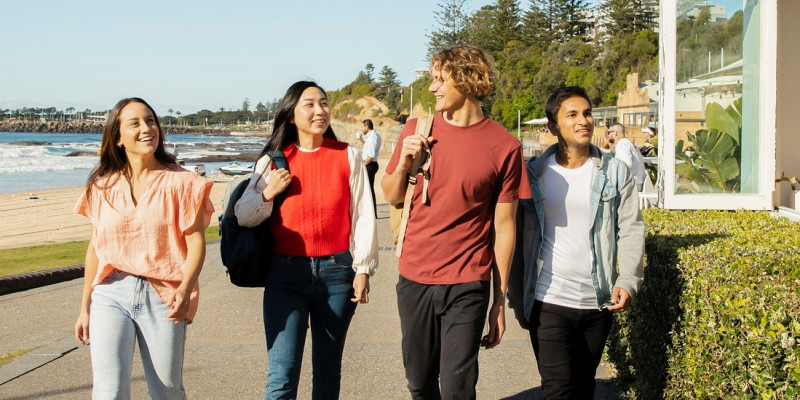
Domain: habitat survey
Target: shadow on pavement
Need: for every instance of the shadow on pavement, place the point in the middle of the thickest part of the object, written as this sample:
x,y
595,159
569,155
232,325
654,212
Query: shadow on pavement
x,y
605,390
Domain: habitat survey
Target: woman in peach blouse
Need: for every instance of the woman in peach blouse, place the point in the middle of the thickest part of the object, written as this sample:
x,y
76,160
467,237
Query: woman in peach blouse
x,y
146,250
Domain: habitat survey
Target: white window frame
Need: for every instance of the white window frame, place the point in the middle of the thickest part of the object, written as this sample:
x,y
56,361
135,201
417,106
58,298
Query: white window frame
x,y
763,200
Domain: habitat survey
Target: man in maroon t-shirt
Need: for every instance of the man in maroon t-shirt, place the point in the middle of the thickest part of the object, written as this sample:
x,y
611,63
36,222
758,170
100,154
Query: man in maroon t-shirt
x,y
463,237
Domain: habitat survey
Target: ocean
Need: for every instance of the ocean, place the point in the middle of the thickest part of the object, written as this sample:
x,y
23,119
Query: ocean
x,y
30,162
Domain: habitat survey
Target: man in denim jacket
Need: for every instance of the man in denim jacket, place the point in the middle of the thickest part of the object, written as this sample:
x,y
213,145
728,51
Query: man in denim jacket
x,y
583,219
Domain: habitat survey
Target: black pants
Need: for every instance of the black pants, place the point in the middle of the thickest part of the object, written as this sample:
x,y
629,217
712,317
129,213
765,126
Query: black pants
x,y
372,169
568,344
442,327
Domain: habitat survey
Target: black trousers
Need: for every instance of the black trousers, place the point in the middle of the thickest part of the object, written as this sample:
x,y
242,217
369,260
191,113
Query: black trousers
x,y
442,327
372,169
568,344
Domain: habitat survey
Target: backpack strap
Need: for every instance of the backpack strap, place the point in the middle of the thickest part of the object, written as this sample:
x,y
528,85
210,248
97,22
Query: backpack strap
x,y
278,160
419,165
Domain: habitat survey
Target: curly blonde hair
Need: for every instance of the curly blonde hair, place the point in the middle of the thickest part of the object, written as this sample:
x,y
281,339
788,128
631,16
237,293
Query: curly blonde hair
x,y
470,69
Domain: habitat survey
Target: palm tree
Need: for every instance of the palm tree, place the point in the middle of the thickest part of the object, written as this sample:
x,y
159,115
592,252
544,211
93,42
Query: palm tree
x,y
170,111
179,116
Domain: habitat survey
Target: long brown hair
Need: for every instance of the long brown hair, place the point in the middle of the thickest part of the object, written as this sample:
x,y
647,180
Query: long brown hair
x,y
113,159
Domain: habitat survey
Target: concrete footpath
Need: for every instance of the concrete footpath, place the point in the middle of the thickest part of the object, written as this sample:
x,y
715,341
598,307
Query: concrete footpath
x,y
226,356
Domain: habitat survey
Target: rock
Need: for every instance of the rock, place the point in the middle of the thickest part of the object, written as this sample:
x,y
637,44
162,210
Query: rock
x,y
30,143
81,154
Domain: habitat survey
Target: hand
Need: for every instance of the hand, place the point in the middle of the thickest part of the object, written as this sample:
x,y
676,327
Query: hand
x,y
620,300
523,323
279,180
82,328
361,289
180,305
412,146
497,325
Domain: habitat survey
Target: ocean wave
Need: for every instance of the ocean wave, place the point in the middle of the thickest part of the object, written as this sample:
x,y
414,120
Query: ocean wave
x,y
16,159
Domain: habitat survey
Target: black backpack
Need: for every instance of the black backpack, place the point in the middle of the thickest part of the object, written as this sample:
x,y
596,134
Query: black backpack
x,y
246,251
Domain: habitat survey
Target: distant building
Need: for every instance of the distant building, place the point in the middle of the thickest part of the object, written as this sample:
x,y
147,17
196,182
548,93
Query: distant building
x,y
693,9
597,19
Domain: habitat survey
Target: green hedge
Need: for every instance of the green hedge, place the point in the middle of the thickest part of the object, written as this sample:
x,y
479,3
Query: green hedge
x,y
718,315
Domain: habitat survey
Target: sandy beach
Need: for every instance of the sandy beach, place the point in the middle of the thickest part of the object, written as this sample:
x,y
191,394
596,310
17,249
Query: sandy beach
x,y
46,217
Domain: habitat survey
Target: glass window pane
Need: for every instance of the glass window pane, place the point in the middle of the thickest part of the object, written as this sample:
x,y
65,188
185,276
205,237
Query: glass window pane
x,y
717,96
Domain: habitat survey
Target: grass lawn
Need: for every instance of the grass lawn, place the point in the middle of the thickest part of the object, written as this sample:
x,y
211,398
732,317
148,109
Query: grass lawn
x,y
38,258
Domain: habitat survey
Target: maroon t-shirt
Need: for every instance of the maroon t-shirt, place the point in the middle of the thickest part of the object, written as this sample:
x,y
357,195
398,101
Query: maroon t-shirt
x,y
473,168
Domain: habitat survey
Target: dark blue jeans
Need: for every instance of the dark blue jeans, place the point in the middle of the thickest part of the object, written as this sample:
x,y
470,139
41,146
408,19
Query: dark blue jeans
x,y
299,289
568,343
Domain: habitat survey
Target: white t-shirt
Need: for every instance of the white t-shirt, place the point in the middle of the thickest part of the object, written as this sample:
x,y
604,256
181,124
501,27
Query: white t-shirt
x,y
627,152
566,276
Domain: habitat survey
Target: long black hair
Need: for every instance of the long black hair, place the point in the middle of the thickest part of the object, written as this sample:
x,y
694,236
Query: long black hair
x,y
284,131
113,159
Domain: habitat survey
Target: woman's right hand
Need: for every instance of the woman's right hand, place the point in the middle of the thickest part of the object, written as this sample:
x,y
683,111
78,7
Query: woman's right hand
x,y
279,179
82,328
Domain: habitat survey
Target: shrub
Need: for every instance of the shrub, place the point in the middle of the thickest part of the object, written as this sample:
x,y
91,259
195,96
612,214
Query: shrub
x,y
346,110
718,315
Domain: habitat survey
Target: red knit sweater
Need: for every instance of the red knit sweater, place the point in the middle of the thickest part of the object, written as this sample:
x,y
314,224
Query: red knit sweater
x,y
314,219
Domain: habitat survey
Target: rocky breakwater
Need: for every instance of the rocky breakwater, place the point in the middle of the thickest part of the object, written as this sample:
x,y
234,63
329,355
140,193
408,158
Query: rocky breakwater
x,y
51,126
196,130
96,127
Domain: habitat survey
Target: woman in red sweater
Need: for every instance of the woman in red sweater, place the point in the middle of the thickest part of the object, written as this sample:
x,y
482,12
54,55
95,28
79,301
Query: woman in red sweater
x,y
325,241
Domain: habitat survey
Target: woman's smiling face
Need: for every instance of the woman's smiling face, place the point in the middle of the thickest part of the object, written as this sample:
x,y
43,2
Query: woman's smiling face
x,y
138,131
312,114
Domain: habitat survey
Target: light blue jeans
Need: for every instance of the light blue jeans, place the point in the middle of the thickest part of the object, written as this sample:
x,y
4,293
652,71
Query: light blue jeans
x,y
125,309
300,289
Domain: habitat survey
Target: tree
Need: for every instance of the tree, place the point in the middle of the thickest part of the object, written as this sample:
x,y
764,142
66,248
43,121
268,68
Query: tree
x,y
452,26
571,22
369,69
506,24
539,23
260,107
481,26
246,105
629,16
388,90
388,81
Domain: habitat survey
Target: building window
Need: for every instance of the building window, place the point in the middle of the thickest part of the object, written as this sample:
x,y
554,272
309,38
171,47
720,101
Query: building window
x,y
717,96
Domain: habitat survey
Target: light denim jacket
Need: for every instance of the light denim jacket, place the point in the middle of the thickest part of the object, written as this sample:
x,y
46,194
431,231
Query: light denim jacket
x,y
617,233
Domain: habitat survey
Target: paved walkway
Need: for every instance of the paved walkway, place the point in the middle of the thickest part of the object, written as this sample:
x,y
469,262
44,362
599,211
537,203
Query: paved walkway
x,y
225,356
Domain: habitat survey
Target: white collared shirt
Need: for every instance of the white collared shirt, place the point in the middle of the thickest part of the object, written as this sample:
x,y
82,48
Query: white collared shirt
x,y
372,145
632,157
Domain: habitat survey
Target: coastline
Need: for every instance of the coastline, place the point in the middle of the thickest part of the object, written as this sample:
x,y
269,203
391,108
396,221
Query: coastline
x,y
45,216
97,127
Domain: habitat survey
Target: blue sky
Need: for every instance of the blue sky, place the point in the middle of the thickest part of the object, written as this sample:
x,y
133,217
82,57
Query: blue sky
x,y
190,55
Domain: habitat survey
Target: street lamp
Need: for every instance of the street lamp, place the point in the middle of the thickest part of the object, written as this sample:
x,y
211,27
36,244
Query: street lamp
x,y
518,122
411,106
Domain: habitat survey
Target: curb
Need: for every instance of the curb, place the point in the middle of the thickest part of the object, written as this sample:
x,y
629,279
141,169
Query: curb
x,y
37,358
20,282
31,280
